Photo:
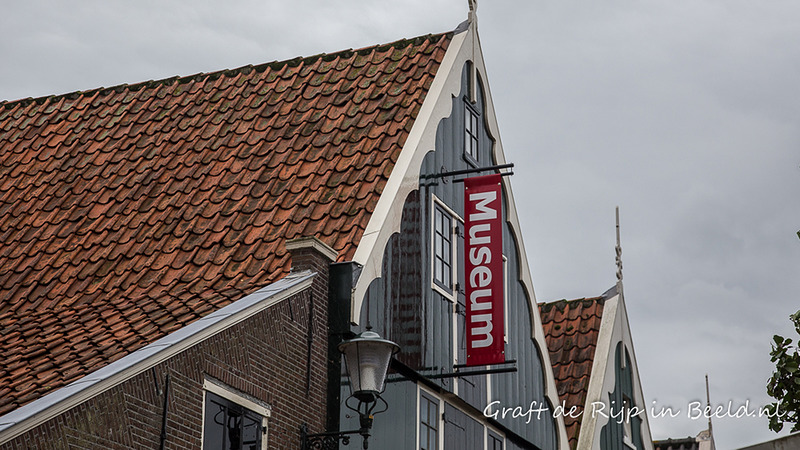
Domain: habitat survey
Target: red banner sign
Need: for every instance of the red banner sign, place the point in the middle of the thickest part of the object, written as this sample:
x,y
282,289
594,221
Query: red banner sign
x,y
483,245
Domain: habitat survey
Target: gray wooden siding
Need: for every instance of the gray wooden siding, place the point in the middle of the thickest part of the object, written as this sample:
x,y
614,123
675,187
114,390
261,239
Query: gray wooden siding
x,y
461,431
612,434
403,306
394,429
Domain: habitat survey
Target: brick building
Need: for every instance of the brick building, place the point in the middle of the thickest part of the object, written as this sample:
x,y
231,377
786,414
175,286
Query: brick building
x,y
249,362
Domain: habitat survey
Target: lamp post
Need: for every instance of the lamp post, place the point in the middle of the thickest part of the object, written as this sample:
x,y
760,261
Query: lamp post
x,y
367,358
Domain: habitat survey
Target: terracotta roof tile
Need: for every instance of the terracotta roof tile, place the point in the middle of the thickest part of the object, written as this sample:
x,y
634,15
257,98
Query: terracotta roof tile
x,y
130,211
571,329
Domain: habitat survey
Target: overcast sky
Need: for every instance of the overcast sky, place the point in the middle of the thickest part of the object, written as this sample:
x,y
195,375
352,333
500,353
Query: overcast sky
x,y
685,113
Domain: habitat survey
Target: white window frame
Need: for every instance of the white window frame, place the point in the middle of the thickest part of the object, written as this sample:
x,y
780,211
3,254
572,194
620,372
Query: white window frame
x,y
455,221
505,299
486,430
454,322
627,426
230,394
471,133
439,421
440,437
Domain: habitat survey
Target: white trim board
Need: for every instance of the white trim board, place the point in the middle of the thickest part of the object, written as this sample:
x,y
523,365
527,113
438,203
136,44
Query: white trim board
x,y
614,328
404,178
232,395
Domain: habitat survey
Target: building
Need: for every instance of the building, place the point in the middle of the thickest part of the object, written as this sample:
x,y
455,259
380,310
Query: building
x,y
703,441
180,258
591,349
782,443
688,443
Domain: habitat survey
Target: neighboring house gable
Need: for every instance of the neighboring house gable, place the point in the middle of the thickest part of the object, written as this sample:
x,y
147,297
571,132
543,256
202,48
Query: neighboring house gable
x,y
572,328
705,441
604,379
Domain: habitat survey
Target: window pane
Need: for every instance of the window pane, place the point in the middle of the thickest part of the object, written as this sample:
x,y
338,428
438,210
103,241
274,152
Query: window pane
x,y
428,423
251,434
495,442
229,426
234,429
470,132
442,247
214,428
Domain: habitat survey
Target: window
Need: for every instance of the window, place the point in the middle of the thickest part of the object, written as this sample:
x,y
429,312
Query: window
x,y
626,424
494,442
506,312
428,423
443,248
442,425
471,139
232,422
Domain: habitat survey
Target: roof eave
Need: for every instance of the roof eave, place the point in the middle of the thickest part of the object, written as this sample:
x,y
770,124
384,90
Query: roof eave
x,y
51,405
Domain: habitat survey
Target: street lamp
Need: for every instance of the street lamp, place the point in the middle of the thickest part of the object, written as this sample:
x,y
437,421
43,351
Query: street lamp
x,y
367,358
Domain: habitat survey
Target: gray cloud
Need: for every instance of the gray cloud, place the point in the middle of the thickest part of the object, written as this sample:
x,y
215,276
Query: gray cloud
x,y
684,113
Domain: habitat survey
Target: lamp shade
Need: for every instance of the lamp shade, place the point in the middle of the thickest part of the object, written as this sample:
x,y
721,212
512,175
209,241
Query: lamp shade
x,y
367,358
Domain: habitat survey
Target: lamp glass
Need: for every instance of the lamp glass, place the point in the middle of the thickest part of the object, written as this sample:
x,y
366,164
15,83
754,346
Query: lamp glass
x,y
367,359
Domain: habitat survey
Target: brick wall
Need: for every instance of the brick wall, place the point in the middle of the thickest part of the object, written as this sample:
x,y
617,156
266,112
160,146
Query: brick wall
x,y
265,357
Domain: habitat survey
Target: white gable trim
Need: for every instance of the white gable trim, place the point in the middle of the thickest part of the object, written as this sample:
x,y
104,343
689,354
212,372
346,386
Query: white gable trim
x,y
638,394
51,405
601,379
614,328
404,179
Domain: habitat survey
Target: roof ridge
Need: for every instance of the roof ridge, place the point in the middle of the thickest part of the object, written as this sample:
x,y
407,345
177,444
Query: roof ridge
x,y
561,304
275,65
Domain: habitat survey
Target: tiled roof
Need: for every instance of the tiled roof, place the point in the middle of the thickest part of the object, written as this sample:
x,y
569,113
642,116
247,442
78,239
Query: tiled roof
x,y
688,443
571,328
129,212
163,348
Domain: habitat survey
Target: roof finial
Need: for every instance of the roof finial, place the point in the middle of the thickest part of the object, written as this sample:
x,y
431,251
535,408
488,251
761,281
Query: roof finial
x,y
473,71
708,403
473,9
619,252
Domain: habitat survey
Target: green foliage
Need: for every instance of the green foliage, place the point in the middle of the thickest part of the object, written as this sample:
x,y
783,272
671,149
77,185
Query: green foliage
x,y
784,385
